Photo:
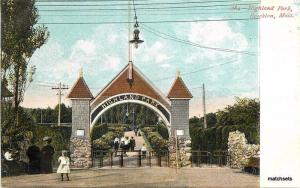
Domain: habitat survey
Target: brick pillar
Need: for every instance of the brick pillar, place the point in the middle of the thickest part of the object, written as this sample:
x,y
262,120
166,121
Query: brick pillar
x,y
80,146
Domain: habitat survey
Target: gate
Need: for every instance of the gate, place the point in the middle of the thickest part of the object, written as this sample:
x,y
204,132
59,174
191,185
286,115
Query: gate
x,y
206,158
133,159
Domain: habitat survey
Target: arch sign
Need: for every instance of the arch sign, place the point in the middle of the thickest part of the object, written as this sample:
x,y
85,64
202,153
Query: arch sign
x,y
153,104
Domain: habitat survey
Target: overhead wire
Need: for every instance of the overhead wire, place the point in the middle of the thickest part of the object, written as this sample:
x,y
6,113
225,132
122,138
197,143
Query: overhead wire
x,y
144,14
151,8
199,70
137,4
170,37
154,22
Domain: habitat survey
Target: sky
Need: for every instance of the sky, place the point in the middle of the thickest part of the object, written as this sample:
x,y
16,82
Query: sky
x,y
101,49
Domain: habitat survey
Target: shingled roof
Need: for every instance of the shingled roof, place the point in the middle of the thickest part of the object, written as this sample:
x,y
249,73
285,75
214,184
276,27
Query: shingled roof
x,y
179,90
80,90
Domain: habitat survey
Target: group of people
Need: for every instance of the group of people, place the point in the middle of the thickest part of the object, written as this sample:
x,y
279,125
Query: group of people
x,y
124,143
40,161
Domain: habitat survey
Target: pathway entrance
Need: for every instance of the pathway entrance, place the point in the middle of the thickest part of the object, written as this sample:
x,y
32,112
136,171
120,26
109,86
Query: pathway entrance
x,y
129,159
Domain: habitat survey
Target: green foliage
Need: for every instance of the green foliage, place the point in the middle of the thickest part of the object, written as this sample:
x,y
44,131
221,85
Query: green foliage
x,y
244,111
158,144
20,38
163,131
148,130
11,134
60,137
242,116
49,115
98,131
103,135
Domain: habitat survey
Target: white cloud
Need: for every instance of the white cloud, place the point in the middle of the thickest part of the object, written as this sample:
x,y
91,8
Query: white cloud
x,y
111,62
88,47
216,35
156,53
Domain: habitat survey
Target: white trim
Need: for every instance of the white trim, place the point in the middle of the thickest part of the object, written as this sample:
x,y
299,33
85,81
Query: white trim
x,y
130,101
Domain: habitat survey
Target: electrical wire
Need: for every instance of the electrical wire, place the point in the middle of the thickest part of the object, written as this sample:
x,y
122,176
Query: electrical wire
x,y
199,70
150,8
154,22
124,4
148,14
170,37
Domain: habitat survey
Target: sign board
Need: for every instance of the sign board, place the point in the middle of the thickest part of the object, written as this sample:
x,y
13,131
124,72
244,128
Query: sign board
x,y
80,132
179,132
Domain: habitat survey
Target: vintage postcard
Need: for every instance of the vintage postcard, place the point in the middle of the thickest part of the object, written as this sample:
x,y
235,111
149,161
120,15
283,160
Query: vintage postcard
x,y
149,93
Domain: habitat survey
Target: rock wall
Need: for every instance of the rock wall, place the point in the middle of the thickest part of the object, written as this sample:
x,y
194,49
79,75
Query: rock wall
x,y
239,149
81,153
184,152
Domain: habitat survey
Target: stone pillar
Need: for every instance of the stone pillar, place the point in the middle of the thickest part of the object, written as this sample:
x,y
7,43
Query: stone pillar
x,y
180,122
80,146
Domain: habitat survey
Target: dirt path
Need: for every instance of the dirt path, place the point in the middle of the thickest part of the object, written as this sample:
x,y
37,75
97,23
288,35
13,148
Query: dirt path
x,y
139,177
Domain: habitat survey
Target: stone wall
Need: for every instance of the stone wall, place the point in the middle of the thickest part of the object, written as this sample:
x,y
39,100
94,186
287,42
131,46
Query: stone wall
x,y
180,116
239,150
184,152
81,116
81,153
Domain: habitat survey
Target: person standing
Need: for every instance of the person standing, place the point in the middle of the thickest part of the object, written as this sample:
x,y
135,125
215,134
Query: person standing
x,y
144,150
132,143
34,155
47,153
64,165
116,145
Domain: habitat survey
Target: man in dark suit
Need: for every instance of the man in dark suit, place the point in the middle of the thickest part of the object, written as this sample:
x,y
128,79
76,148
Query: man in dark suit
x,y
47,153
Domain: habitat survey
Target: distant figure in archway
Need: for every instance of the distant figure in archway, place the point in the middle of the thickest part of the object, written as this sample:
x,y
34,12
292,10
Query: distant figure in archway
x,y
116,145
47,153
132,143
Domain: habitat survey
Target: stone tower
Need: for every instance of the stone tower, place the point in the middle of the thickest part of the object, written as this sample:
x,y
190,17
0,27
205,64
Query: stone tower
x,y
80,146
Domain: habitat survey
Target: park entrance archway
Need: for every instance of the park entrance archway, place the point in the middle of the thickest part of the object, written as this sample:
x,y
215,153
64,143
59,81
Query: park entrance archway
x,y
129,86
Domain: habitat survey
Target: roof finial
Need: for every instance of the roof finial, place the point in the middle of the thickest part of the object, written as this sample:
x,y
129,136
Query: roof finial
x,y
80,72
177,74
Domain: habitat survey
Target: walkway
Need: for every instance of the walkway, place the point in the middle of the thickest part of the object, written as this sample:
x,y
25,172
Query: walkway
x,y
139,140
140,177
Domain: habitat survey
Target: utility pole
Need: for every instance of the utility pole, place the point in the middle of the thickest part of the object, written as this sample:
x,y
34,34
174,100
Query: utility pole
x,y
204,107
59,93
41,116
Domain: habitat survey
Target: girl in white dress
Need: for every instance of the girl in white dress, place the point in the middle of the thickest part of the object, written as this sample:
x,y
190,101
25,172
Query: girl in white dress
x,y
64,165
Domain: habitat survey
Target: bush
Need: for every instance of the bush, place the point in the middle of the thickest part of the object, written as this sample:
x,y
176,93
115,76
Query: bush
x,y
60,138
98,131
158,144
163,131
216,138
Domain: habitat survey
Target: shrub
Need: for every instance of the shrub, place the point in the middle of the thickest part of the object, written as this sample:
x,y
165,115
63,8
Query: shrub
x,y
98,131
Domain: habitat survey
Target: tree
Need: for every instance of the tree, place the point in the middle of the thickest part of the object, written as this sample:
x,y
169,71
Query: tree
x,y
20,38
244,111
